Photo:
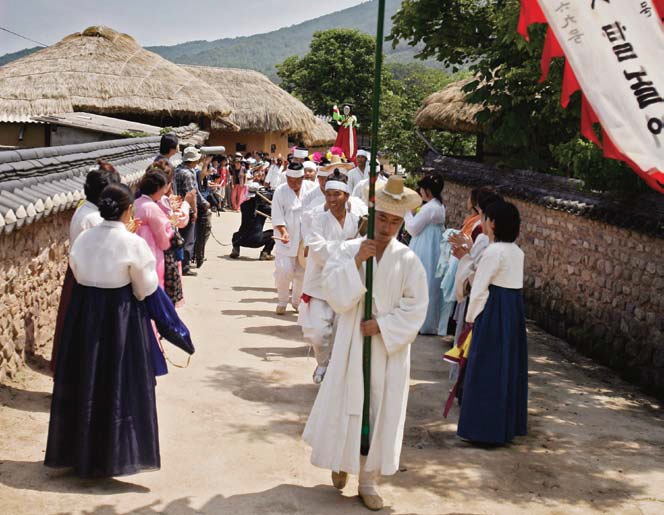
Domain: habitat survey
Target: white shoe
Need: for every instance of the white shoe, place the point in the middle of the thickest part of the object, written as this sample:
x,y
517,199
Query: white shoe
x,y
296,308
371,499
319,374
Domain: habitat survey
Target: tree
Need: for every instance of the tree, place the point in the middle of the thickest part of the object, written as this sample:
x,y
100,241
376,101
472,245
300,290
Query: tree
x,y
527,124
405,87
338,68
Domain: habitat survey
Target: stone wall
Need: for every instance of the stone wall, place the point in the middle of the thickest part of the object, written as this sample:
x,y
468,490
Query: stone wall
x,y
33,262
39,189
592,282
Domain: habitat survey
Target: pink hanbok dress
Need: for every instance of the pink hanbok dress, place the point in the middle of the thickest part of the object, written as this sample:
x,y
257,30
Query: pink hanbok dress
x,y
155,229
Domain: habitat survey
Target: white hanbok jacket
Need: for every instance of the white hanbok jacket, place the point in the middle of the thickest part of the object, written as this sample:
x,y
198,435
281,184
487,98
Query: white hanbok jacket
x,y
287,211
399,305
323,240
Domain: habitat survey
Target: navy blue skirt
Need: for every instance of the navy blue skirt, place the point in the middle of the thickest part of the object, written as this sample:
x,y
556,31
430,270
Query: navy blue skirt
x,y
495,396
103,412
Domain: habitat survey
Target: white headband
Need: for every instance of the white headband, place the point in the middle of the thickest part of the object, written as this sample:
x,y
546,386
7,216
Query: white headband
x,y
295,174
301,153
336,185
323,173
364,153
309,165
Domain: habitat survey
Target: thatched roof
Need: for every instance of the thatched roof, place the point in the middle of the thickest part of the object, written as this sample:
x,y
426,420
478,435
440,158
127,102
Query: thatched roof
x,y
102,71
258,104
321,135
447,109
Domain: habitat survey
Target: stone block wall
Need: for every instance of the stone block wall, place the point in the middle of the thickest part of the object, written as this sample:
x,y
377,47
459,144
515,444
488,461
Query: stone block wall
x,y
33,262
595,284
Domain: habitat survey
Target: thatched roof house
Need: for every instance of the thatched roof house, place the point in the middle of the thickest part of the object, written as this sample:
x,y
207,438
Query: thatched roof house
x,y
448,110
103,71
320,135
266,114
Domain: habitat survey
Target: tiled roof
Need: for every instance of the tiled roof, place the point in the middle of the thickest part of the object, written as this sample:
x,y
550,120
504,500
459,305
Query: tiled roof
x,y
38,182
644,214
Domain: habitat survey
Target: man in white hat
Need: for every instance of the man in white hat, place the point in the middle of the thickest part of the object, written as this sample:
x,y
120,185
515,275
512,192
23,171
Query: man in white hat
x,y
361,171
310,169
287,223
185,181
400,302
331,224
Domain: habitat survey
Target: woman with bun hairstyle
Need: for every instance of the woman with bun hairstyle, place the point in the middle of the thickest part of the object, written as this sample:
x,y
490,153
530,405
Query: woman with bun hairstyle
x,y
156,227
103,414
426,228
86,216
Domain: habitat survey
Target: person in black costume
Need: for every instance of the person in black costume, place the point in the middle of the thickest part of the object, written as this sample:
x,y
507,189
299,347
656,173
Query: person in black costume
x,y
254,210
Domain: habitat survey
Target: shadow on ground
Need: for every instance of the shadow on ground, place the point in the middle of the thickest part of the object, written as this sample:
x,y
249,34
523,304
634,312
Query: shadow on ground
x,y
33,475
283,499
25,400
580,440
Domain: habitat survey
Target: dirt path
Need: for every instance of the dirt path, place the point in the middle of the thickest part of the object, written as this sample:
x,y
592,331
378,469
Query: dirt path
x,y
230,428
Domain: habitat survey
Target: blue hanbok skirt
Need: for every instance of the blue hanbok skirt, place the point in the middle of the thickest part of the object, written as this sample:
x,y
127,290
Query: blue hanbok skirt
x,y
103,412
426,246
495,396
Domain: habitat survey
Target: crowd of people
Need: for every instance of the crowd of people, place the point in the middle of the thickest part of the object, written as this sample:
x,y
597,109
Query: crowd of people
x,y
130,249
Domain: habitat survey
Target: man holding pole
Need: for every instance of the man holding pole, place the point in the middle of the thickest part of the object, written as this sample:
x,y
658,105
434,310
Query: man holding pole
x,y
399,303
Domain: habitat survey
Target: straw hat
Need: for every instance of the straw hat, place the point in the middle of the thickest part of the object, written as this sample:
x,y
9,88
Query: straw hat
x,y
337,164
395,199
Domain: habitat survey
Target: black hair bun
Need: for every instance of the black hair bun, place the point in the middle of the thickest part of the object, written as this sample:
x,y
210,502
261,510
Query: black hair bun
x,y
109,209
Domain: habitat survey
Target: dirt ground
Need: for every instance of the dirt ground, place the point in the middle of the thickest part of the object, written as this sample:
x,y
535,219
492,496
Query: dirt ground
x,y
230,427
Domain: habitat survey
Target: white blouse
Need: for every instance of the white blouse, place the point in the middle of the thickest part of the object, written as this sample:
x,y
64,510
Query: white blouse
x,y
501,265
433,212
109,256
85,217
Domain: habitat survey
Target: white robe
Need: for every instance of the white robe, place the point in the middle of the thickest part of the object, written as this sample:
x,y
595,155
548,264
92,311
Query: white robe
x,y
356,175
361,190
287,211
399,305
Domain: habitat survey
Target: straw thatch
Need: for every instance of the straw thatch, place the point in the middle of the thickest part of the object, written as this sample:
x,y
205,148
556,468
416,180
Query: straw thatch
x,y
258,104
321,135
447,109
102,71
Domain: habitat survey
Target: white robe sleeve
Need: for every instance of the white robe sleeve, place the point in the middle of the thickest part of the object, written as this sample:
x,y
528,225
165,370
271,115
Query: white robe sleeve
x,y
415,224
486,271
399,327
343,284
278,214
142,270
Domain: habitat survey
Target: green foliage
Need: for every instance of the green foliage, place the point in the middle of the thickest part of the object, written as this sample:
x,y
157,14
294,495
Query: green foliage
x,y
135,134
527,123
583,160
338,68
166,130
404,89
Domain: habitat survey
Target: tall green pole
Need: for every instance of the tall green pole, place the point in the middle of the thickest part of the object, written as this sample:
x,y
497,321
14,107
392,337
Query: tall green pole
x,y
375,113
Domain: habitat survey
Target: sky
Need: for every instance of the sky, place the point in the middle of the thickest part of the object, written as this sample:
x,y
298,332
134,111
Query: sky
x,y
155,22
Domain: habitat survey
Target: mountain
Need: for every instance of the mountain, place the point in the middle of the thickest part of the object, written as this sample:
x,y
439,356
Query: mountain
x,y
8,58
261,52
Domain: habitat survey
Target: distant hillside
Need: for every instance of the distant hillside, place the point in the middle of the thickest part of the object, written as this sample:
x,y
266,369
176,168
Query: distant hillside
x,y
262,52
8,58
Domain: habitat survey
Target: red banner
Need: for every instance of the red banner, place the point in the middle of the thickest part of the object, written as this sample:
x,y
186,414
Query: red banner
x,y
613,53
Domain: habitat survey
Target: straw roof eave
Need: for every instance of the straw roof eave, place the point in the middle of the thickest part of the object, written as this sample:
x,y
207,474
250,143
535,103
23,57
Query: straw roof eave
x,y
448,110
258,104
102,71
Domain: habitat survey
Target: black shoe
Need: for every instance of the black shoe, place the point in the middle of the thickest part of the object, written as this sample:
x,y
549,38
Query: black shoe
x,y
235,253
190,273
